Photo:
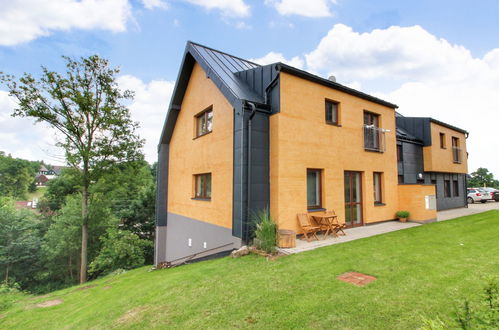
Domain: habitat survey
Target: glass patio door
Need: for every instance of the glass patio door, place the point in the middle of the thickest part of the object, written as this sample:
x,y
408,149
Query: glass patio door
x,y
353,199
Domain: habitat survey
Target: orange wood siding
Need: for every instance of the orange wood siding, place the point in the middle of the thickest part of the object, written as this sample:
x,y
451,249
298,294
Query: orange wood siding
x,y
412,199
301,139
211,153
437,159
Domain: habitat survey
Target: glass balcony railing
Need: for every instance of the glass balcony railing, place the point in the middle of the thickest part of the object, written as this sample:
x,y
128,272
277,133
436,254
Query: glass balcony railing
x,y
374,138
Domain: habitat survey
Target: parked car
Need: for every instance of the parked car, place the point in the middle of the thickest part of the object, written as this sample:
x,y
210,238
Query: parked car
x,y
494,193
475,195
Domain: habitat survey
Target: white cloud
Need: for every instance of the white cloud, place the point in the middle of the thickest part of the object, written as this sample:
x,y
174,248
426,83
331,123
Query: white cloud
x,y
149,108
151,4
274,57
229,8
243,26
431,77
25,20
309,8
21,138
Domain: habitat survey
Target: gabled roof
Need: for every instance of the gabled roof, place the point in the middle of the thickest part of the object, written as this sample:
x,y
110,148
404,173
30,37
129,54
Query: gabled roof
x,y
404,135
220,67
225,72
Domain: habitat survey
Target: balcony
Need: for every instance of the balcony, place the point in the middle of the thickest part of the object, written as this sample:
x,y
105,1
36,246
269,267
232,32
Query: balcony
x,y
457,155
374,138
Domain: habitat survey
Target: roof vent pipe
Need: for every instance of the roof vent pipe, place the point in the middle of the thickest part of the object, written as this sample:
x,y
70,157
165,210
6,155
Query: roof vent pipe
x,y
332,78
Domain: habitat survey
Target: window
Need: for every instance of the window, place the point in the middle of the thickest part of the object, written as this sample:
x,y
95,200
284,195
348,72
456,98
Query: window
x,y
202,186
442,141
455,188
456,151
446,188
332,112
204,122
400,156
400,179
373,135
314,189
377,184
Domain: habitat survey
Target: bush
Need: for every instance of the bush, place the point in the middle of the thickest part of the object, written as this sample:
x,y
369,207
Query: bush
x,y
266,231
121,249
402,214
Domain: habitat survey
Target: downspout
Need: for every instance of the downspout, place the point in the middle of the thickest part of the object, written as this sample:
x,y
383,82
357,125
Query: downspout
x,y
248,183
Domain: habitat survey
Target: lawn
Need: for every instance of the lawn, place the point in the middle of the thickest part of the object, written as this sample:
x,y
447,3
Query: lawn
x,y
424,271
40,191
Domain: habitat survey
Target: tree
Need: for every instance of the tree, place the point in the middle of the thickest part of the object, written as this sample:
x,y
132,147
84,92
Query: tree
x,y
19,243
16,176
84,106
482,178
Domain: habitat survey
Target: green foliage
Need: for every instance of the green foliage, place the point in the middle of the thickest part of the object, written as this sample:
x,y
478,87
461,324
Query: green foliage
x,y
483,314
20,241
482,178
402,214
121,249
266,231
68,183
61,246
9,294
16,176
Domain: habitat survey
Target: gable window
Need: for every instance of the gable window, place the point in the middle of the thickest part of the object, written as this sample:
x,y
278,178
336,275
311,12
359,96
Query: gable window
x,y
332,112
202,187
455,188
373,134
447,188
204,122
442,141
314,189
377,184
456,151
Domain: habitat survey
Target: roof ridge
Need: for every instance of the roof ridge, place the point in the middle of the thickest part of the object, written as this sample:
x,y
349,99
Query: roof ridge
x,y
222,52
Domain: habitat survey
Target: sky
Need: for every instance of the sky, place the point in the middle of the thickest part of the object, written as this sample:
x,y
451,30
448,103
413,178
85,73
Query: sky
x,y
435,59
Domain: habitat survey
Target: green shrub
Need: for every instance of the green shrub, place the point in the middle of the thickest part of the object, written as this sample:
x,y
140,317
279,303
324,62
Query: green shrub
x,y
402,214
121,249
265,232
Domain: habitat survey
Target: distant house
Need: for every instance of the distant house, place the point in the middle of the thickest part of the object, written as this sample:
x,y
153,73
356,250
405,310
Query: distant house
x,y
45,175
240,137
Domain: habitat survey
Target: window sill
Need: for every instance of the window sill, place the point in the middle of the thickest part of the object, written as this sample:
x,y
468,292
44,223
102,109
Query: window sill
x,y
333,124
201,199
379,204
374,150
316,210
197,137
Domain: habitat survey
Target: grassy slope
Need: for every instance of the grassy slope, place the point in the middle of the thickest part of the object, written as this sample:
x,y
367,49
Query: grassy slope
x,y
422,271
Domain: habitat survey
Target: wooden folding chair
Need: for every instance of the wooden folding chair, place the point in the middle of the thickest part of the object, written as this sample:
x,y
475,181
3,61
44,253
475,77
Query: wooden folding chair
x,y
307,227
337,227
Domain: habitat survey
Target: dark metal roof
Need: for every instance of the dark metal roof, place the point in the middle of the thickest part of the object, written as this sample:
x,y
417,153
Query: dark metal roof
x,y
449,126
406,136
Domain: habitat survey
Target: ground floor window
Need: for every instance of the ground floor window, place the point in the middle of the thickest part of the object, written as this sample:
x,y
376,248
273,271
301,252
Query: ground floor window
x,y
455,188
377,184
447,188
202,186
314,189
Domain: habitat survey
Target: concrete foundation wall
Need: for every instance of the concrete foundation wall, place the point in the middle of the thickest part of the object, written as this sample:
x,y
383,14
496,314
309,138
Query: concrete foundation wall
x,y
205,239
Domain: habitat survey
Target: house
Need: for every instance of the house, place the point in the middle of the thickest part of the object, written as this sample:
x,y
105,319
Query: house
x,y
45,175
240,137
433,152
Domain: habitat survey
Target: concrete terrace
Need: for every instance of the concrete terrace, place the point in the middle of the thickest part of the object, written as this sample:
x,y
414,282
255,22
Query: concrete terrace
x,y
384,227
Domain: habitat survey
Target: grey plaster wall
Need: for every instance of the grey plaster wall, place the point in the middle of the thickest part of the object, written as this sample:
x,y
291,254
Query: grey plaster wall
x,y
180,229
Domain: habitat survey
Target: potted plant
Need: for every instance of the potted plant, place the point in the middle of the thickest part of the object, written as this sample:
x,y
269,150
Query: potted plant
x,y
402,215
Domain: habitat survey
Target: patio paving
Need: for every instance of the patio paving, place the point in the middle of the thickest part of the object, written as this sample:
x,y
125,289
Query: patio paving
x,y
351,235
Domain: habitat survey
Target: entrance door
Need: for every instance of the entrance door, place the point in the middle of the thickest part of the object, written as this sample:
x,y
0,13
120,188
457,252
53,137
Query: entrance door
x,y
353,199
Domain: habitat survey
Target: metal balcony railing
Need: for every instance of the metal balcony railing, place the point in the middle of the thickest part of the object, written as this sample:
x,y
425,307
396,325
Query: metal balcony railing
x,y
374,138
457,155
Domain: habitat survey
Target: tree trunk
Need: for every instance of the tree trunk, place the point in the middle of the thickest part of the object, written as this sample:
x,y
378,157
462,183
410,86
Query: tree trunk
x,y
84,226
7,275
